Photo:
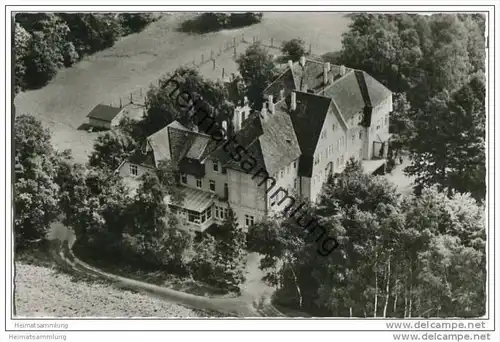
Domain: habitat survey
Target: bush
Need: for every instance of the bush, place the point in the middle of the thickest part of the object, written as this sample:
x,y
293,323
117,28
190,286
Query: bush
x,y
294,48
136,22
244,19
211,22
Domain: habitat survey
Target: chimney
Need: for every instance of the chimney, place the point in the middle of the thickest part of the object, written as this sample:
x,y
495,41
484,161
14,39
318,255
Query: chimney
x,y
224,127
326,70
342,70
303,61
236,119
263,111
293,100
290,63
271,103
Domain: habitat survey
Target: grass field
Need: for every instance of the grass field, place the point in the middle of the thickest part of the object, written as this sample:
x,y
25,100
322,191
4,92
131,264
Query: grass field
x,y
41,291
139,59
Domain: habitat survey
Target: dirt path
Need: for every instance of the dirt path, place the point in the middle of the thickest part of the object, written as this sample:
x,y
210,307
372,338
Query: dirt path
x,y
242,306
139,59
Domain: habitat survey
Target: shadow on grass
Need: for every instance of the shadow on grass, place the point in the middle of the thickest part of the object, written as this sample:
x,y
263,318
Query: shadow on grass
x,y
196,26
89,128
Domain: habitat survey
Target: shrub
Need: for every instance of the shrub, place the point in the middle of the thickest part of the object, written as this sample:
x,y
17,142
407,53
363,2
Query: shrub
x,y
244,19
294,48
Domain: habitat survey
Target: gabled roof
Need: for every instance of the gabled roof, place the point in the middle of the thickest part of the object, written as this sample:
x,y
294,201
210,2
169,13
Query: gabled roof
x,y
347,95
104,112
308,119
298,76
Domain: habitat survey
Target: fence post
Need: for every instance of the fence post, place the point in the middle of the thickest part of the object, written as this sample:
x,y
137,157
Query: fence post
x,y
213,61
120,102
234,41
235,51
242,37
140,92
131,101
222,73
202,59
310,48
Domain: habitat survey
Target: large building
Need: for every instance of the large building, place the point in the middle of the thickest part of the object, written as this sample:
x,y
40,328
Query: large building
x,y
316,117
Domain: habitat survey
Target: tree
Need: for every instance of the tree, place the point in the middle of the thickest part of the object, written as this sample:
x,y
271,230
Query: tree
x,y
135,22
165,103
111,149
35,192
46,50
257,68
21,43
230,253
401,122
244,19
294,48
455,158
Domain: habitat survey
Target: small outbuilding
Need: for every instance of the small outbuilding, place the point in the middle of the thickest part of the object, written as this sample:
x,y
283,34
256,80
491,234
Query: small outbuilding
x,y
104,116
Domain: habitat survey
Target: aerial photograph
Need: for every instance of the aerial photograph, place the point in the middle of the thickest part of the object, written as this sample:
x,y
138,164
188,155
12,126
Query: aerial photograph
x,y
249,164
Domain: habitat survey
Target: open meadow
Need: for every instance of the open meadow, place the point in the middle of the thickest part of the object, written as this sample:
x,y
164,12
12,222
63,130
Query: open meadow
x,y
137,60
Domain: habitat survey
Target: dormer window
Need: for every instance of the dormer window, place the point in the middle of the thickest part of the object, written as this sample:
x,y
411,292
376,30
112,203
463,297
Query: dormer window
x,y
216,166
184,178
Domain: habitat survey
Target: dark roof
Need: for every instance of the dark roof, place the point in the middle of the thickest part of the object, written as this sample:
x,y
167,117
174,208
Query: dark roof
x,y
104,112
308,121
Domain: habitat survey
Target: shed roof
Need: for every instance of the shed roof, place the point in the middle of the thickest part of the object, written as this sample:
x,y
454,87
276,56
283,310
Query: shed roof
x,y
104,112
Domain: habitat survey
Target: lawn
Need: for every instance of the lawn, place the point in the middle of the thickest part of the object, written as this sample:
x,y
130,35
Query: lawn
x,y
137,60
41,291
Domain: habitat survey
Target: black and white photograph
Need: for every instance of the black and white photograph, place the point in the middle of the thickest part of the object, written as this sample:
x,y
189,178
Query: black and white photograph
x,y
327,167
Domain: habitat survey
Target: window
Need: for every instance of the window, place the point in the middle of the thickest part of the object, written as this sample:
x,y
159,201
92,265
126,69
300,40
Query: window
x,y
323,135
281,173
184,178
334,127
212,185
248,220
295,164
199,183
133,170
338,144
316,160
209,213
295,183
218,213
193,216
216,166
360,134
226,213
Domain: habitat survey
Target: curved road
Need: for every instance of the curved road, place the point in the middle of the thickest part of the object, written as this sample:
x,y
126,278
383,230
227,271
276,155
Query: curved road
x,y
236,307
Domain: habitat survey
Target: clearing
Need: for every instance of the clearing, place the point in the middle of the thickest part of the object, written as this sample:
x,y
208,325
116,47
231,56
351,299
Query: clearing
x,y
137,60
